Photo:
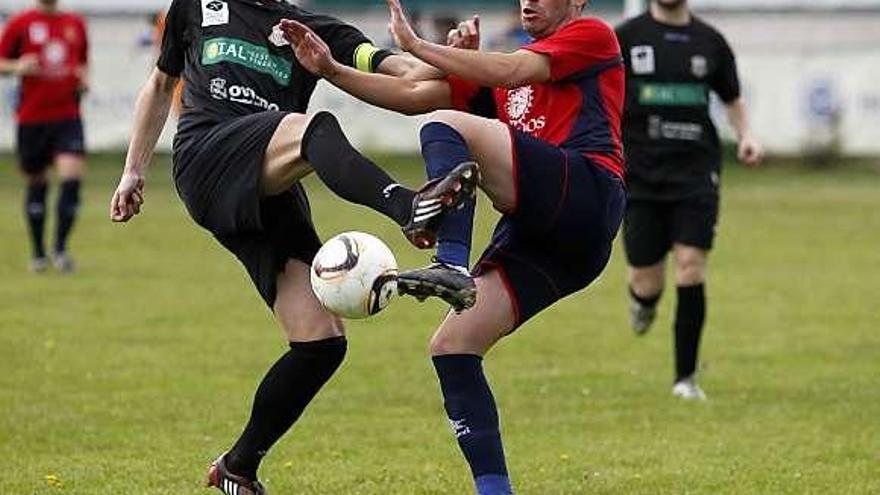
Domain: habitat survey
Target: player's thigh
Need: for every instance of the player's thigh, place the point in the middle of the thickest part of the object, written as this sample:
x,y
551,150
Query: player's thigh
x,y
476,330
33,146
298,310
283,164
68,147
647,234
690,265
489,141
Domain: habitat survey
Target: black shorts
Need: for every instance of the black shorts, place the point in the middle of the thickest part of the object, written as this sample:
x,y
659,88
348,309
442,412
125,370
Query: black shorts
x,y
217,171
652,227
39,144
559,237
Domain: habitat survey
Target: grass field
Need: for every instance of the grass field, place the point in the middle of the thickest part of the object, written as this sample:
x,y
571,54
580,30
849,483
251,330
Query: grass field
x,y
132,375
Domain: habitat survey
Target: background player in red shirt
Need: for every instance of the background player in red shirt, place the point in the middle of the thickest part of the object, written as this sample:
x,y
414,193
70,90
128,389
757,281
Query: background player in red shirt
x,y
547,140
48,50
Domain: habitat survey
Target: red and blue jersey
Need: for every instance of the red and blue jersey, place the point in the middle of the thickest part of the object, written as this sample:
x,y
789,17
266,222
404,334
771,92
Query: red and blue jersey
x,y
579,108
59,41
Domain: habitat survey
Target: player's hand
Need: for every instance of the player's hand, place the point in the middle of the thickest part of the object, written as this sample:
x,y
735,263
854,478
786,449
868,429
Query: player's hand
x,y
311,51
128,198
466,36
27,65
749,151
401,30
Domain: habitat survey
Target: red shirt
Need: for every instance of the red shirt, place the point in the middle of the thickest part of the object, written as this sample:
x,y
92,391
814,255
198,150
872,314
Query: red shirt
x,y
580,107
61,43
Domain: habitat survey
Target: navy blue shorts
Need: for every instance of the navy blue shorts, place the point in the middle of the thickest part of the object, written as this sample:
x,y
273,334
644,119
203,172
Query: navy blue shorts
x,y
39,144
559,237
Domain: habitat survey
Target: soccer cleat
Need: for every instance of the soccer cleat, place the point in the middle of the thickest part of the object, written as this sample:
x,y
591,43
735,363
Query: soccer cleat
x,y
232,484
641,317
436,197
453,285
39,264
63,262
687,389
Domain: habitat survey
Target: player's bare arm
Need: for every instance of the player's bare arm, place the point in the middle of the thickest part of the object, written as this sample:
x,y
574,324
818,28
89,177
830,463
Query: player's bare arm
x,y
491,69
151,112
25,65
749,150
399,94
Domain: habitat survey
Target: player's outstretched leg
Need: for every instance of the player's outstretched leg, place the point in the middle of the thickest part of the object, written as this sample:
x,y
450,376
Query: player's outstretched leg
x,y
317,348
457,349
35,212
450,143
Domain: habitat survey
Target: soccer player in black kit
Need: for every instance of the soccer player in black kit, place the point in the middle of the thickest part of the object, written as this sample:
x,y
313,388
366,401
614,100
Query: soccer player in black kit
x,y
673,61
243,142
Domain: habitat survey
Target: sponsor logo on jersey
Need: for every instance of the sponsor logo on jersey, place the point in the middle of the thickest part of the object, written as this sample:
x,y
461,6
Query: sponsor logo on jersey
x,y
254,57
220,89
642,59
519,104
215,13
679,131
673,94
699,66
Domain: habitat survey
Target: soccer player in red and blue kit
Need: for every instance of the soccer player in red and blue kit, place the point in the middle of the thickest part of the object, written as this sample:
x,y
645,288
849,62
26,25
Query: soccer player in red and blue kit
x,y
48,50
543,123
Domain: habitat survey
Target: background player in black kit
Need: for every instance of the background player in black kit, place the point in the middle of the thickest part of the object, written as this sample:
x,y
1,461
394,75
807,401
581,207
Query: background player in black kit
x,y
239,152
673,61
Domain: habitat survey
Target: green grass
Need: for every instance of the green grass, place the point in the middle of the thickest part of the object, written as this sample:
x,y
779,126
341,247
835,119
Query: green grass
x,y
129,377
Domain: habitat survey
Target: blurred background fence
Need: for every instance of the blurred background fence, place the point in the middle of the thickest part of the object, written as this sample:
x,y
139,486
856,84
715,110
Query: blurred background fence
x,y
809,68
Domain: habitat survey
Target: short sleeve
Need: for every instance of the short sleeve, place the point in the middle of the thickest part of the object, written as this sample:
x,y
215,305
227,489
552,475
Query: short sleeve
x,y
348,45
725,80
11,41
581,45
470,97
172,55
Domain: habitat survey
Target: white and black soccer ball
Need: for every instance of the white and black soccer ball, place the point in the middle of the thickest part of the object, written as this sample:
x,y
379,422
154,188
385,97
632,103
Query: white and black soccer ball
x,y
354,275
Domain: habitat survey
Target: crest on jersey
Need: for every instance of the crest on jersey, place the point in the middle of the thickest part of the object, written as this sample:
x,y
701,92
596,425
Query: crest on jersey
x,y
642,59
519,102
699,66
215,13
277,36
38,32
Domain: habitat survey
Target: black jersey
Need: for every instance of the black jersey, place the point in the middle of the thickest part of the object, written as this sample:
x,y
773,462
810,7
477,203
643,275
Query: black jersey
x,y
671,144
234,64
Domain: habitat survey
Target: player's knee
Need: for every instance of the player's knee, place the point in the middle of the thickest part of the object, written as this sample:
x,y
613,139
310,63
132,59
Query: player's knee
x,y
451,118
690,270
307,326
443,343
647,281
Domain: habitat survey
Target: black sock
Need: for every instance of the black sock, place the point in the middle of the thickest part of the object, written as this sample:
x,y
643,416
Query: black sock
x,y
68,204
282,396
35,211
648,302
690,313
351,175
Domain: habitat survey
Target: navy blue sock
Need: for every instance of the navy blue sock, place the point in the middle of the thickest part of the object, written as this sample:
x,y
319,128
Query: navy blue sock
x,y
474,420
443,149
68,204
35,211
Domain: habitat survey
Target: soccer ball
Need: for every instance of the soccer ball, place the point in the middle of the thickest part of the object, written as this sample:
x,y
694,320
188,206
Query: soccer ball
x,y
354,275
